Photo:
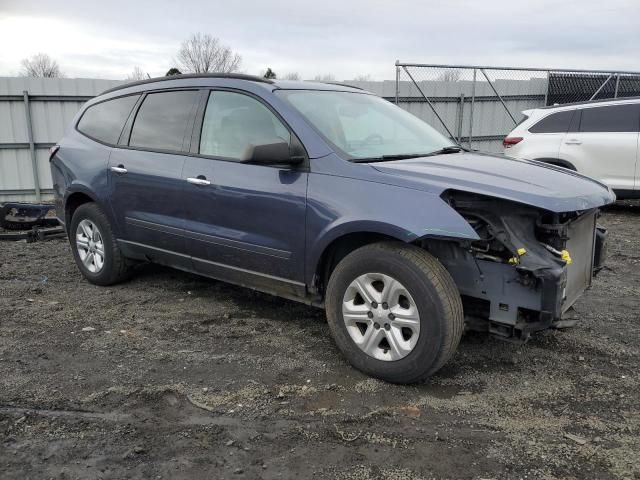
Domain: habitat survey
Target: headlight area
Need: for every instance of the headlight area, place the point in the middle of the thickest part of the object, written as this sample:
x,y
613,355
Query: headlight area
x,y
516,278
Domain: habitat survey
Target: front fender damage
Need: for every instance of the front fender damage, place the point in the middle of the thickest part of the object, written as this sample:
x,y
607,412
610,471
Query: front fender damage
x,y
527,268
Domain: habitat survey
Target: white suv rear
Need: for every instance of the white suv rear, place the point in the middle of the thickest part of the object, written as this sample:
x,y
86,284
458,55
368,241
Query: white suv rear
x,y
598,139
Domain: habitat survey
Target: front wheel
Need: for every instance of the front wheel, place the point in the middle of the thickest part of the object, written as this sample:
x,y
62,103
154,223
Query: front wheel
x,y
394,311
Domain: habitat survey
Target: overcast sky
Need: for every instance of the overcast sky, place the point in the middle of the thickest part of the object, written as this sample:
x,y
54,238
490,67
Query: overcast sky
x,y
345,38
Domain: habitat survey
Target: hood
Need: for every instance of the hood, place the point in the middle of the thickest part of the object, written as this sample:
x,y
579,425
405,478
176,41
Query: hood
x,y
524,181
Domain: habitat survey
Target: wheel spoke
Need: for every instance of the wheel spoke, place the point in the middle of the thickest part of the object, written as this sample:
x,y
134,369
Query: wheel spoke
x,y
399,347
82,242
406,317
86,229
371,339
365,288
390,289
353,314
88,260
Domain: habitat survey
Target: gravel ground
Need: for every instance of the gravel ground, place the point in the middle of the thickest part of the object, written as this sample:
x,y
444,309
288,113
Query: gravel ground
x,y
174,376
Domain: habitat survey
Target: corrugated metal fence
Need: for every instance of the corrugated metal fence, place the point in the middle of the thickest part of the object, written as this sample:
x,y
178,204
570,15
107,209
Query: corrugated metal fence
x,y
475,105
34,112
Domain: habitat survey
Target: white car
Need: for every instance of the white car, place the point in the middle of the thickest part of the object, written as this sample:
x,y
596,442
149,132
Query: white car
x,y
597,138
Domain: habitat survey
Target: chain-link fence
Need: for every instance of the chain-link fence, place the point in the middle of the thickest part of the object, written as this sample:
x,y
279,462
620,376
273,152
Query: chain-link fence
x,y
477,106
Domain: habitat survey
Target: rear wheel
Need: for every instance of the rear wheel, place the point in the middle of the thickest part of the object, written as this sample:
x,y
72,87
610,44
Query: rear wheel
x,y
394,311
94,246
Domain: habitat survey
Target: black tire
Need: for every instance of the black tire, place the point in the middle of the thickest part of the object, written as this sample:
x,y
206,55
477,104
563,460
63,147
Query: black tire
x,y
116,267
436,297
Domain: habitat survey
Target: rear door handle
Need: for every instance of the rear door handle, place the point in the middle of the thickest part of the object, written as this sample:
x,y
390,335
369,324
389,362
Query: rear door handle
x,y
119,169
199,180
573,141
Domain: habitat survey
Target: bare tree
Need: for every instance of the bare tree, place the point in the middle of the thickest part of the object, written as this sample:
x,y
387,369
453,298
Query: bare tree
x,y
270,74
363,78
450,75
292,76
40,65
202,53
325,77
137,74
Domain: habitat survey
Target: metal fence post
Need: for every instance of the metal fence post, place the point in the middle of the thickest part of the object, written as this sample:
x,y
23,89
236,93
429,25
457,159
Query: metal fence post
x,y
546,92
397,80
460,116
473,101
615,94
32,144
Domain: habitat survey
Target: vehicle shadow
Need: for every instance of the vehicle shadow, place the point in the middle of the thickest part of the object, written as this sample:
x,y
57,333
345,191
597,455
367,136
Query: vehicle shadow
x,y
623,206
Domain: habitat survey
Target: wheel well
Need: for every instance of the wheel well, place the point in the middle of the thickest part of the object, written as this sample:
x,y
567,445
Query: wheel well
x,y
340,248
72,204
558,162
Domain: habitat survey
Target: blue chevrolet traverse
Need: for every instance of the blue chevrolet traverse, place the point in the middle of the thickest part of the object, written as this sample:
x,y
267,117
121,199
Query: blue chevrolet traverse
x,y
332,196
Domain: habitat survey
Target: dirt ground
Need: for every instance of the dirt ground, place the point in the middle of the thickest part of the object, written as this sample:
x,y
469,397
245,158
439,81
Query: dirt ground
x,y
174,376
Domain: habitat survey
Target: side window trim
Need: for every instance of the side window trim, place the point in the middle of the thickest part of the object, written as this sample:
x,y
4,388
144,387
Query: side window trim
x,y
199,122
574,124
125,134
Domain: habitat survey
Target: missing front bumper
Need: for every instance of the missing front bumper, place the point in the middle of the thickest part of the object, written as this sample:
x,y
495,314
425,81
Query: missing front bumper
x,y
513,301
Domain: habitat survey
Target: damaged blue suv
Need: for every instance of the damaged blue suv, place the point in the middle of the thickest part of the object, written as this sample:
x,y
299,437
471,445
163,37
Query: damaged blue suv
x,y
332,196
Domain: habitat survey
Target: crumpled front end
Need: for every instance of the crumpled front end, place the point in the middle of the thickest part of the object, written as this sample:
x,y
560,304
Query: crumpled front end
x,y
528,267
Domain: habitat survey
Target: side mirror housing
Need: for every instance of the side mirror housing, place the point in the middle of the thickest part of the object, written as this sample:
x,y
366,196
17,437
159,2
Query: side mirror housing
x,y
270,154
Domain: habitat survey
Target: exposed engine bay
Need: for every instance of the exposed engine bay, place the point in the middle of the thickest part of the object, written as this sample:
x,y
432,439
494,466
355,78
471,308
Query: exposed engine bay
x,y
527,268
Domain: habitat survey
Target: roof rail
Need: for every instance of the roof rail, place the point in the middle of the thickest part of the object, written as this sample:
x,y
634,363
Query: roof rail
x,y
238,76
589,102
340,84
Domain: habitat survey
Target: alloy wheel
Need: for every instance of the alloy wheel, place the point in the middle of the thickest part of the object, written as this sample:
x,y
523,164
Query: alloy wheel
x,y
90,246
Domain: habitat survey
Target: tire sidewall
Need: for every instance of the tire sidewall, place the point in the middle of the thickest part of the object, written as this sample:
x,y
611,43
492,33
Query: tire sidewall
x,y
90,211
427,350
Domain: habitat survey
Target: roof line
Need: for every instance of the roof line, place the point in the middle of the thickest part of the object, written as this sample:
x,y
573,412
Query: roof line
x,y
589,102
339,84
238,76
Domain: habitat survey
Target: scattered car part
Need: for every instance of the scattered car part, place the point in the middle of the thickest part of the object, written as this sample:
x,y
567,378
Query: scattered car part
x,y
23,216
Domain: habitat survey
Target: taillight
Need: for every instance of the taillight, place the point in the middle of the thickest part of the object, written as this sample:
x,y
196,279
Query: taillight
x,y
53,150
509,142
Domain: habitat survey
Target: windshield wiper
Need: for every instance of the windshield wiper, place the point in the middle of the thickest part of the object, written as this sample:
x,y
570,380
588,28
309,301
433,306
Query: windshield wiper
x,y
446,150
386,158
405,156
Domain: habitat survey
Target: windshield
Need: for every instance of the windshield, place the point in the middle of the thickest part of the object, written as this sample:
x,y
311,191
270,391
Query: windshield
x,y
364,126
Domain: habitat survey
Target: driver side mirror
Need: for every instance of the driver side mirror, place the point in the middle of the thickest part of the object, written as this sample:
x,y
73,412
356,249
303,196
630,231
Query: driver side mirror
x,y
270,154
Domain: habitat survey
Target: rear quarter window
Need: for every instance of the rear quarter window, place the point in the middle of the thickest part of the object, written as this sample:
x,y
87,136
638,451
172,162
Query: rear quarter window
x,y
554,123
104,121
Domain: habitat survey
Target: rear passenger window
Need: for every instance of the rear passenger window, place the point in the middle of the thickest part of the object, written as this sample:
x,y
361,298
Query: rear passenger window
x,y
104,121
554,123
162,121
234,121
615,118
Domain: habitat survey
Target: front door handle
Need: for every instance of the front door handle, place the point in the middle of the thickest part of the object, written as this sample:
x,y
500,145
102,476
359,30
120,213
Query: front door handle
x,y
199,180
573,141
119,169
